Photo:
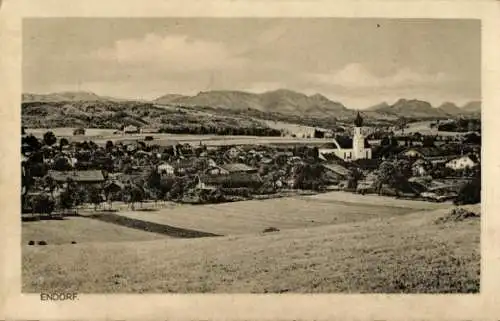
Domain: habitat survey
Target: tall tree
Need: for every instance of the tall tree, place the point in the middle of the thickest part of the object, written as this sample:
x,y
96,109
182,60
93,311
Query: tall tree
x,y
401,124
63,142
49,138
32,142
354,176
428,141
385,175
95,196
109,146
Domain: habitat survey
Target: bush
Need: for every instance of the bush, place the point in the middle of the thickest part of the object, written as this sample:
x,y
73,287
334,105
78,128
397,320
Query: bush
x,y
49,138
470,193
457,215
270,229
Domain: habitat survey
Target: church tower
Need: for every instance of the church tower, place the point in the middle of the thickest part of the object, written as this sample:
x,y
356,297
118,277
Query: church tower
x,y
358,140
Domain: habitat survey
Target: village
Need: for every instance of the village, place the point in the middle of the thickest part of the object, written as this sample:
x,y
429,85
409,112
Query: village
x,y
258,156
60,175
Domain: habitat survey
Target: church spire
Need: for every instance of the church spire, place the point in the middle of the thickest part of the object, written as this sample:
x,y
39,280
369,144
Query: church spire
x,y
358,122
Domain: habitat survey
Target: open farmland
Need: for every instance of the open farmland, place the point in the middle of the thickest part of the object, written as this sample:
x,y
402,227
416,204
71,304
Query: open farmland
x,y
404,253
424,128
81,230
68,132
101,136
252,217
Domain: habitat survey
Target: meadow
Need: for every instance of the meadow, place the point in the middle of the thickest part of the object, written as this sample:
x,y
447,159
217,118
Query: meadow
x,y
80,230
101,136
326,244
299,212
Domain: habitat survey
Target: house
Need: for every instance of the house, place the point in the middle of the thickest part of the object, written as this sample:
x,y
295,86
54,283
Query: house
x,y
79,131
113,187
462,162
82,177
336,171
236,168
420,167
166,169
346,148
184,166
131,129
233,180
368,184
425,181
422,152
233,152
367,164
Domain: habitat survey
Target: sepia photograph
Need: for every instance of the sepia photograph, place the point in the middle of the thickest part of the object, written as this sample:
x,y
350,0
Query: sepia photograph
x,y
250,155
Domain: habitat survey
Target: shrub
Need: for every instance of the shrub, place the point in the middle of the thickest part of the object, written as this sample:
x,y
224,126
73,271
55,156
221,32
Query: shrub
x,y
470,193
457,215
49,138
270,229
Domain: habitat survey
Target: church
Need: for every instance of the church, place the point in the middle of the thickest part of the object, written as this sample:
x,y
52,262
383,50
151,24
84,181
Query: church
x,y
349,149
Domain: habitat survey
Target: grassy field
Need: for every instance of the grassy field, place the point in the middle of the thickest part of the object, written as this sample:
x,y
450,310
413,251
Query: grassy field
x,y
101,136
284,213
424,128
68,131
376,200
80,230
402,253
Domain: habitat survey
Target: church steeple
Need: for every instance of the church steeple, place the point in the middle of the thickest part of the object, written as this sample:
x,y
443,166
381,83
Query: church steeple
x,y
358,122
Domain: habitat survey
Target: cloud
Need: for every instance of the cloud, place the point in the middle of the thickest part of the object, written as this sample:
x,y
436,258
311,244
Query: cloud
x,y
175,53
355,75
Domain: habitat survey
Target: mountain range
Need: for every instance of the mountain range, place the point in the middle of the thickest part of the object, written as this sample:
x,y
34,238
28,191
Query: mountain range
x,y
282,101
279,101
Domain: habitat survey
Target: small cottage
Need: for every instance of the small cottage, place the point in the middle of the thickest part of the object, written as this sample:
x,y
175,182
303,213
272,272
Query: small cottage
x,y
236,168
462,162
82,176
131,129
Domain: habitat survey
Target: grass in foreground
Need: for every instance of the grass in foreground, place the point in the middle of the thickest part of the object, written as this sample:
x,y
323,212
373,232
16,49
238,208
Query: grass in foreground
x,y
80,230
404,254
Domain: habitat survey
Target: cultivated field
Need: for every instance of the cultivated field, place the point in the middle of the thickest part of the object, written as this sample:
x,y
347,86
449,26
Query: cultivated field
x,y
408,253
424,128
68,131
252,217
101,136
81,230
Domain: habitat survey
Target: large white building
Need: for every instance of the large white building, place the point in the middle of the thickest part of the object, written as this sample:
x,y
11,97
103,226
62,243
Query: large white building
x,y
350,149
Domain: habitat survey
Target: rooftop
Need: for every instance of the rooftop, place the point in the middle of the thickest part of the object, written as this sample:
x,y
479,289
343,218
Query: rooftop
x,y
237,167
77,176
336,168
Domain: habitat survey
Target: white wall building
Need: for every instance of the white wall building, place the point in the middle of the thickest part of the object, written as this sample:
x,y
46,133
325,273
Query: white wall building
x,y
357,148
461,163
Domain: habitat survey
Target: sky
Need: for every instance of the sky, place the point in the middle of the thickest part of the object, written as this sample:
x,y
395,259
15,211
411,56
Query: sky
x,y
358,62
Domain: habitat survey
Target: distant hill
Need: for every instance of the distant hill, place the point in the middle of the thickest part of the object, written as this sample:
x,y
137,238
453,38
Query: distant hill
x,y
169,98
415,108
450,109
382,106
412,108
81,107
280,101
472,107
65,96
